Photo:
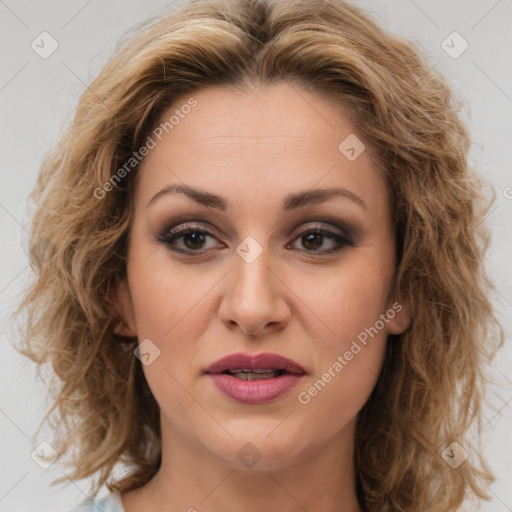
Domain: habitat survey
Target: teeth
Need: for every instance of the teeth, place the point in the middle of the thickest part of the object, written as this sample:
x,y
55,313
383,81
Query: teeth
x,y
260,374
251,370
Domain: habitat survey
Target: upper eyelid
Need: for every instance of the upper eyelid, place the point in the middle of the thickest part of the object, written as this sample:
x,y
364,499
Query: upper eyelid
x,y
211,231
190,227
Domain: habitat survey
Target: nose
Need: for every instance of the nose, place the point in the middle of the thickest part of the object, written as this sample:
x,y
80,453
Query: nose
x,y
254,298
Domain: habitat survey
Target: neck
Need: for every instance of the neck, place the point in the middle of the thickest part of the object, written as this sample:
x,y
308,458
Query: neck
x,y
195,480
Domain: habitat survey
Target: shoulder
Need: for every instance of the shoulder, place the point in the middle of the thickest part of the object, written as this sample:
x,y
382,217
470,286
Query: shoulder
x,y
109,503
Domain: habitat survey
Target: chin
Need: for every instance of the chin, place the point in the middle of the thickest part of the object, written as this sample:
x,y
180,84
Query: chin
x,y
261,447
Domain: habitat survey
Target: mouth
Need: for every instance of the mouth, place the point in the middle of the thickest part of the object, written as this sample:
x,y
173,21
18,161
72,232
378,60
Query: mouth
x,y
255,379
254,374
251,367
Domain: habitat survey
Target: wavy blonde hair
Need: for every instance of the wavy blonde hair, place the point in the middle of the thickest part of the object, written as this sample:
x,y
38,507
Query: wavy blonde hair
x,y
431,387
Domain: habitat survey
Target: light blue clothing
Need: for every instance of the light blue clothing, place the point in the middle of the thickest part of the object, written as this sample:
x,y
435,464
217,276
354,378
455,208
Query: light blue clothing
x,y
109,503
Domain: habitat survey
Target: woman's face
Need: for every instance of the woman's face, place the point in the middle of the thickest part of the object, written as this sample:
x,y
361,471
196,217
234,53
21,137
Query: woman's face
x,y
251,258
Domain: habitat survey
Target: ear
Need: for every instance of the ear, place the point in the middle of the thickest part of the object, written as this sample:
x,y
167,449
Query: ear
x,y
399,313
120,298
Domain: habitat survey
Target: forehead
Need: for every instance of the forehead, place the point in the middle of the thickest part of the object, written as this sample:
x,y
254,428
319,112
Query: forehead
x,y
230,139
284,113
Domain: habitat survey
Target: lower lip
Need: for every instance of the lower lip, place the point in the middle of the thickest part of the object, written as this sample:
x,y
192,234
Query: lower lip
x,y
255,391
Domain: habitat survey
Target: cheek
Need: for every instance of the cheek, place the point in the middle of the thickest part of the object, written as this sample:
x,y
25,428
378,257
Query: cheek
x,y
349,362
164,295
171,310
351,305
348,302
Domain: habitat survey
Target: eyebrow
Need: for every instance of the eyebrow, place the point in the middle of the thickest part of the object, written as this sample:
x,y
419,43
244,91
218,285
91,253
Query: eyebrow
x,y
291,202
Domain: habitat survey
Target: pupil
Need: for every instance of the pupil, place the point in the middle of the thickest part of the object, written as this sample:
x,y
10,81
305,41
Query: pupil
x,y
310,239
196,238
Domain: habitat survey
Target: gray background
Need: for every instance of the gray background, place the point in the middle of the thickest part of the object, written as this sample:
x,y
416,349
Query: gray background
x,y
37,98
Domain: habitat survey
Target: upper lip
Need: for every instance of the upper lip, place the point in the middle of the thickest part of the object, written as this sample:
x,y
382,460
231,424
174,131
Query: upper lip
x,y
264,361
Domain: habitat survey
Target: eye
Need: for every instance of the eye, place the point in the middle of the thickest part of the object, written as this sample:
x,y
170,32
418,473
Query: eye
x,y
186,239
193,240
314,239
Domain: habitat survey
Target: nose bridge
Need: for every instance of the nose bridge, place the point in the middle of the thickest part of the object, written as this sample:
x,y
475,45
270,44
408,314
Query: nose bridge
x,y
252,300
252,277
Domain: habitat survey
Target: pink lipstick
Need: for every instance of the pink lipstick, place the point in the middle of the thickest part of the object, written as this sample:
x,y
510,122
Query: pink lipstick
x,y
255,379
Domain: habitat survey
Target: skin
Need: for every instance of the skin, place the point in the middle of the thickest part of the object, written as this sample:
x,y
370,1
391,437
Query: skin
x,y
254,148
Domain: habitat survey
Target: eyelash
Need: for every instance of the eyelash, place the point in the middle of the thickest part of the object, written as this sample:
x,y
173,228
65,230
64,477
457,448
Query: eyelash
x,y
169,236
